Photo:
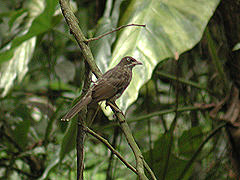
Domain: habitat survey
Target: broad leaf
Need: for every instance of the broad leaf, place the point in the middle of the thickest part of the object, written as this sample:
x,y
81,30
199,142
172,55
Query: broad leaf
x,y
190,140
18,55
172,27
159,155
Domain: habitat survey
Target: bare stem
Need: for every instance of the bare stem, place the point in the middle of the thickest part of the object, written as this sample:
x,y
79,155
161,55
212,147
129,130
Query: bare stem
x,y
117,29
104,141
149,170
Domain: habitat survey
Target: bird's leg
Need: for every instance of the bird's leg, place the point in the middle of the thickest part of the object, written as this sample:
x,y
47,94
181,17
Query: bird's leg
x,y
113,105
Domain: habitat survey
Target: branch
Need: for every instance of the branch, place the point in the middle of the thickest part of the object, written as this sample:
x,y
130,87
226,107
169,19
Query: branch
x,y
132,143
104,141
77,33
110,168
81,125
117,29
149,170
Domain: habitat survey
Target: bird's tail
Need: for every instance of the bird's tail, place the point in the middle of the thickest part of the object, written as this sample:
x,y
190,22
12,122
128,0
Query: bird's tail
x,y
77,108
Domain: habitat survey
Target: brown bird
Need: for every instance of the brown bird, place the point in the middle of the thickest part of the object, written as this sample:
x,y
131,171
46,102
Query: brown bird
x,y
109,87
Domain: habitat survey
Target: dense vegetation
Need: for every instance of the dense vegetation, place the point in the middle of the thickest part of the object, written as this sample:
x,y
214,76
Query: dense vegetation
x,y
182,106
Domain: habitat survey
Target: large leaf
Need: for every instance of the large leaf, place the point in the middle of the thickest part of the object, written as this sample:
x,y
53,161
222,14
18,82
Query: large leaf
x,y
69,139
36,24
102,48
18,55
189,141
158,157
172,27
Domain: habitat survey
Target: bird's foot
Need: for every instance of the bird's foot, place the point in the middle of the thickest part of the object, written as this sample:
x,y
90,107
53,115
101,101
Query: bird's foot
x,y
113,106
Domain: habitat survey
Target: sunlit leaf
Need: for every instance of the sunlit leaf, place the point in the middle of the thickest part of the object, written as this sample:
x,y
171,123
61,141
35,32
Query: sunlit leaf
x,y
102,48
236,47
172,27
22,47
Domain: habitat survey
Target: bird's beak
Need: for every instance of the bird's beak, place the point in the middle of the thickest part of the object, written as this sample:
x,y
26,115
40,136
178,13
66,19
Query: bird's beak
x,y
137,63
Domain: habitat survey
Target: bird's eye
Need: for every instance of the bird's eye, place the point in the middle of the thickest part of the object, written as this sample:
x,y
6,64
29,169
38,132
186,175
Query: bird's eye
x,y
130,59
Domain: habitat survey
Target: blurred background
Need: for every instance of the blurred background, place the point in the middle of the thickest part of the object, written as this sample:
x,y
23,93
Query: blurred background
x,y
182,105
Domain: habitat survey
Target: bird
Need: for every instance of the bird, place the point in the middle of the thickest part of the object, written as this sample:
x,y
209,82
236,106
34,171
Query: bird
x,y
110,86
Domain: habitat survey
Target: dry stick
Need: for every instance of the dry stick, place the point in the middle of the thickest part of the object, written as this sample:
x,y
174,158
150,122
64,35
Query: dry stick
x,y
104,141
117,29
80,146
77,33
110,168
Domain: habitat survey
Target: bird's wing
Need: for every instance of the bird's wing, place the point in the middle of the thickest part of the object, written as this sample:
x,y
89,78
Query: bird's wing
x,y
108,85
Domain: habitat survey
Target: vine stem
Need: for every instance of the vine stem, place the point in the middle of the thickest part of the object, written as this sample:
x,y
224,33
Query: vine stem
x,y
117,29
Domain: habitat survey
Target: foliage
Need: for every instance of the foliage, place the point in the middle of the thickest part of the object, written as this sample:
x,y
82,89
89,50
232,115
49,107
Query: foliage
x,y
173,104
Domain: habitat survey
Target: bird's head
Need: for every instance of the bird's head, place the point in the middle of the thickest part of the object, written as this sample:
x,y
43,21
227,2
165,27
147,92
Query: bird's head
x,y
130,62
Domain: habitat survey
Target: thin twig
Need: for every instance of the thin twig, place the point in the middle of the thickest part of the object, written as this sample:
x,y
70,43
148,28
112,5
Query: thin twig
x,y
117,29
81,125
110,169
105,142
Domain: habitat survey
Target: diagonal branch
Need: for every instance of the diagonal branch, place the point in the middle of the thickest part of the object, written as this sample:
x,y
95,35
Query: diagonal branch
x,y
131,141
104,141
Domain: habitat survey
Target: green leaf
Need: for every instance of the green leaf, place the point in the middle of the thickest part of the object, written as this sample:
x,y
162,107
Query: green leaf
x,y
172,27
17,67
236,47
189,141
157,159
69,139
40,24
102,48
22,128
22,47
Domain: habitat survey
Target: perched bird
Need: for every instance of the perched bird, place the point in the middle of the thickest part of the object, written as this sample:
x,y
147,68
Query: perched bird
x,y
109,86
